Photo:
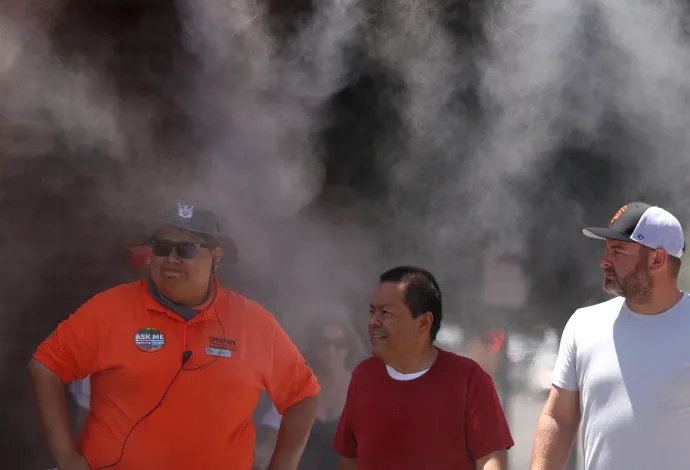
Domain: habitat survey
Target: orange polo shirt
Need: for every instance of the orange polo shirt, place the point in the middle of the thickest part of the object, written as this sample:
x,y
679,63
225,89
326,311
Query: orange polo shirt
x,y
132,347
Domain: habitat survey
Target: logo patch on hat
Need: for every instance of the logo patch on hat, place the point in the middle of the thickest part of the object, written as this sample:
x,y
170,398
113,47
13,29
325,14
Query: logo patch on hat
x,y
618,214
149,339
186,212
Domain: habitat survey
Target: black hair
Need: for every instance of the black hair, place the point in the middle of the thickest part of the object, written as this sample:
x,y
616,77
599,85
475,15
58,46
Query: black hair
x,y
421,293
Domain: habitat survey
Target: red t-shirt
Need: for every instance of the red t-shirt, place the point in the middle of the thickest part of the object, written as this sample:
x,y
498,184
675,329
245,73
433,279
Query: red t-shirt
x,y
446,419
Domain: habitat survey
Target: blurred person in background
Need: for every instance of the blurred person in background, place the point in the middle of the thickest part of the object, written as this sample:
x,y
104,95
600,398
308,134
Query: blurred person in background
x,y
333,350
622,369
413,405
177,363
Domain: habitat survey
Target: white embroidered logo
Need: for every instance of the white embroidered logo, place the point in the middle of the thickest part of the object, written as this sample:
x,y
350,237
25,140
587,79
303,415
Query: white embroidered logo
x,y
186,212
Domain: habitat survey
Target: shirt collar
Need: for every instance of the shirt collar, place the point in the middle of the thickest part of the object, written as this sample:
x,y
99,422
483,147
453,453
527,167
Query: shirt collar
x,y
207,310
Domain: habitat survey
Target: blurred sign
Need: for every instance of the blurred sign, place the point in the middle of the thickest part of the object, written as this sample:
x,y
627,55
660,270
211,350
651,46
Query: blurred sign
x,y
505,283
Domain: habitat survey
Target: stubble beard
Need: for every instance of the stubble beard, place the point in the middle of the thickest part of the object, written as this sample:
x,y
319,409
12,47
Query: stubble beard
x,y
636,287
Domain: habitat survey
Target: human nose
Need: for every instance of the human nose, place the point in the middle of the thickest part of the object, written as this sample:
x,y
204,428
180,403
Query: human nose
x,y
174,257
375,320
605,261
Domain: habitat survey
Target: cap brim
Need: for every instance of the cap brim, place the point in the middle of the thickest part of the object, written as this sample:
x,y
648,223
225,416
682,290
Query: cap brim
x,y
605,233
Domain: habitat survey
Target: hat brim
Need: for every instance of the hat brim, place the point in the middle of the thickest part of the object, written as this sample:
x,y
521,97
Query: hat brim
x,y
605,233
230,251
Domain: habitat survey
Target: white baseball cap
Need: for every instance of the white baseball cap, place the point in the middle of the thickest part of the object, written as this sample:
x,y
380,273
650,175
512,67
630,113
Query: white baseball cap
x,y
647,225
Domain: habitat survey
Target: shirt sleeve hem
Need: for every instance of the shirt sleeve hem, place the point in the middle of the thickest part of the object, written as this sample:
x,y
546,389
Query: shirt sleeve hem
x,y
53,365
89,461
493,448
564,385
308,392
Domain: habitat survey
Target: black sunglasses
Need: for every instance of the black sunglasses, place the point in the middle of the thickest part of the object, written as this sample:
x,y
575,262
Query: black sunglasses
x,y
185,250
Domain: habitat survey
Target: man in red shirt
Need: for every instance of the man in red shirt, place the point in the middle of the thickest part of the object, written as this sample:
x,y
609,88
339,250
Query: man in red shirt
x,y
415,406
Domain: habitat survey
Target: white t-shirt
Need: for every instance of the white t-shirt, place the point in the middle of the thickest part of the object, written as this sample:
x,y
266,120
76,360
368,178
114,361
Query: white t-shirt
x,y
633,375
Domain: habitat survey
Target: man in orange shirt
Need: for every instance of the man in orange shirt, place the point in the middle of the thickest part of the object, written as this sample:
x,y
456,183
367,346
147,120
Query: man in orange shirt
x,y
176,364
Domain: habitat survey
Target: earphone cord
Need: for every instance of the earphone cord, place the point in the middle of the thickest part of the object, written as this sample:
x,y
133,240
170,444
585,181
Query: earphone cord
x,y
185,358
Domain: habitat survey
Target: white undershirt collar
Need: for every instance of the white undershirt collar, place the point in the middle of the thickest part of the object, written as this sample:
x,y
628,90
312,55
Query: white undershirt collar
x,y
394,374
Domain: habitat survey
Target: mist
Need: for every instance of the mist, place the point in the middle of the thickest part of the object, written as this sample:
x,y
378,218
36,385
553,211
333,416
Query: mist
x,y
485,128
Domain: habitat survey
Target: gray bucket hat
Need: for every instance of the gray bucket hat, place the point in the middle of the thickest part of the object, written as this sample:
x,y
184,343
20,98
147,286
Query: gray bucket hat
x,y
197,220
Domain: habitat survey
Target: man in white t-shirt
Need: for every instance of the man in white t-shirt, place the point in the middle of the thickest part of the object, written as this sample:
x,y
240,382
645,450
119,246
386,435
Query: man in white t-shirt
x,y
623,368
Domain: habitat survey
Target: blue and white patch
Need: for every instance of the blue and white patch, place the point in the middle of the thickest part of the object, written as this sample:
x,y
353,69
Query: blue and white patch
x,y
218,352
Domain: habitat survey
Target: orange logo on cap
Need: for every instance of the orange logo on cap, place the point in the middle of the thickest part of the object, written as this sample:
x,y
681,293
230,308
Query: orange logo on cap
x,y
618,214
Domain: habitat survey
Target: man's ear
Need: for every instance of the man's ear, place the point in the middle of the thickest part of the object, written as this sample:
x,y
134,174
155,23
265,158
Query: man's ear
x,y
657,259
217,256
425,321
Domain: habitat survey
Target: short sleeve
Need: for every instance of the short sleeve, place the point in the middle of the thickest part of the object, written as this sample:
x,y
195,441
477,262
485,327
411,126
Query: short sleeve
x,y
345,442
290,379
486,424
71,350
565,372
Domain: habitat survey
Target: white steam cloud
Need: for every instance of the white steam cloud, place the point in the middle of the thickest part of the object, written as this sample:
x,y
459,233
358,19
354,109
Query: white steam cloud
x,y
545,73
40,88
523,87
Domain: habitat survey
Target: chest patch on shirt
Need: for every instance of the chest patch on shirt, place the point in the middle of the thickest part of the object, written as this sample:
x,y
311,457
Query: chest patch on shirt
x,y
149,339
218,352
220,346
